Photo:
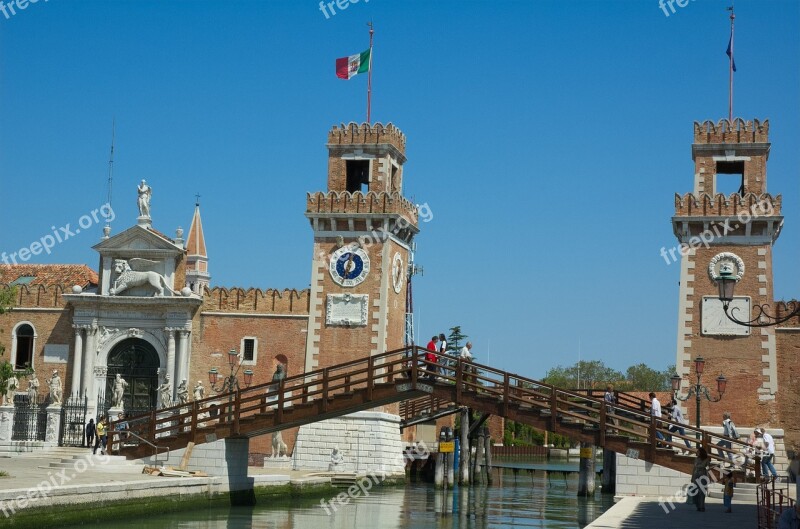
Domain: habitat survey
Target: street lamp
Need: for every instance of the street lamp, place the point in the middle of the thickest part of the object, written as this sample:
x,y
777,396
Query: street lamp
x,y
726,282
698,390
231,382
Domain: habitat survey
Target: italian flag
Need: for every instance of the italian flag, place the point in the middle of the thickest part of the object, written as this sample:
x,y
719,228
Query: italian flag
x,y
347,67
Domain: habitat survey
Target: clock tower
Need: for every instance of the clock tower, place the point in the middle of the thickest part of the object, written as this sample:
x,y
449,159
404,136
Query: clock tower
x,y
363,231
734,232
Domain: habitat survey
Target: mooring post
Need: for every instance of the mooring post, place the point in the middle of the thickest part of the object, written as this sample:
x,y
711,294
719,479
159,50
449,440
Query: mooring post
x,y
463,477
487,451
609,479
586,470
479,475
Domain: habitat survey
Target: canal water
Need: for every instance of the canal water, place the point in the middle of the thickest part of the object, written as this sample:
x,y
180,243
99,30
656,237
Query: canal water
x,y
522,499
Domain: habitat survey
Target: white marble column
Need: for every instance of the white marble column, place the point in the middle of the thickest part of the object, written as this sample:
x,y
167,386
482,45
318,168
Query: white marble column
x,y
183,358
75,386
88,361
170,333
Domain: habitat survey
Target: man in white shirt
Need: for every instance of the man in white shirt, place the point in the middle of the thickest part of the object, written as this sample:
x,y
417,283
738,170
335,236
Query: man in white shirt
x,y
655,411
466,357
769,455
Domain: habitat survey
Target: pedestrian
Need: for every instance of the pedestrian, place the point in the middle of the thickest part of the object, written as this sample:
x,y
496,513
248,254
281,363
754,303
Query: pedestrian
x,y
728,430
727,492
769,455
443,360
102,436
611,400
655,411
90,433
677,416
700,478
466,358
431,359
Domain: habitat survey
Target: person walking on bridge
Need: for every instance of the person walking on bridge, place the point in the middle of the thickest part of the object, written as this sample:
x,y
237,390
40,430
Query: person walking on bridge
x,y
655,411
431,358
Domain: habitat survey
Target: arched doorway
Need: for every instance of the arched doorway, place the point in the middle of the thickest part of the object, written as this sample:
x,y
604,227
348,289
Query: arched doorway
x,y
137,362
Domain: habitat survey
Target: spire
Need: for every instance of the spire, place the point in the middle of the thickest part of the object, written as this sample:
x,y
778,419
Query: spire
x,y
197,276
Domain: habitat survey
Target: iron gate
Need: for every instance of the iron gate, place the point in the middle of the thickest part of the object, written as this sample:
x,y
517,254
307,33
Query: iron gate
x,y
30,419
73,421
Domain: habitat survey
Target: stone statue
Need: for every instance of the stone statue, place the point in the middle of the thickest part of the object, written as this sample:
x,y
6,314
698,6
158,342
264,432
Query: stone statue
x,y
199,391
165,392
12,384
279,374
120,384
337,458
279,448
144,199
183,392
33,390
55,388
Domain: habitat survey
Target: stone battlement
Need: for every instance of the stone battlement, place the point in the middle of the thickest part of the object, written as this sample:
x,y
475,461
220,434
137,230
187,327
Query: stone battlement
x,y
39,296
255,300
357,202
720,205
355,134
738,131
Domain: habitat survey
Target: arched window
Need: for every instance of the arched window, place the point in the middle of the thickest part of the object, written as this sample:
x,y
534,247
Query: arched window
x,y
24,338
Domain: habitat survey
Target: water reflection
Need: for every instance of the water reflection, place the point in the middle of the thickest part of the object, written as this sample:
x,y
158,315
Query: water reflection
x,y
534,501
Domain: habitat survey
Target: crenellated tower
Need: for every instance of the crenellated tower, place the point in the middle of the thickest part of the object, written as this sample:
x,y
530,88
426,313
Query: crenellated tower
x,y
363,231
738,229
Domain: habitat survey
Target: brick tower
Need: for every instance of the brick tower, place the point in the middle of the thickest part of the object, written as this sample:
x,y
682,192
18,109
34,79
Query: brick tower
x,y
197,274
363,230
738,230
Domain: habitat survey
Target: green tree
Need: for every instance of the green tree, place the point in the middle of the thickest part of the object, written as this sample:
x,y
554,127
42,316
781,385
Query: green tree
x,y
454,340
584,374
641,377
7,297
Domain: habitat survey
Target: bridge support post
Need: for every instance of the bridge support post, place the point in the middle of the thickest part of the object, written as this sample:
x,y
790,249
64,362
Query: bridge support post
x,y
487,452
609,478
479,474
586,470
439,473
463,474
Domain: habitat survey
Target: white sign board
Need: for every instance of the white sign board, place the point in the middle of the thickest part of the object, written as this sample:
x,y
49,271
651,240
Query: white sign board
x,y
347,309
714,322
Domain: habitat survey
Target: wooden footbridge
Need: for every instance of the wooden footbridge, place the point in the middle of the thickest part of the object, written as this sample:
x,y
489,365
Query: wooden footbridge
x,y
405,376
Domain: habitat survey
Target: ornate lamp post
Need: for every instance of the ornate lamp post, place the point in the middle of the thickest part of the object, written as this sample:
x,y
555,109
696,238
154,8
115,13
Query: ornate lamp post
x,y
231,382
726,281
698,390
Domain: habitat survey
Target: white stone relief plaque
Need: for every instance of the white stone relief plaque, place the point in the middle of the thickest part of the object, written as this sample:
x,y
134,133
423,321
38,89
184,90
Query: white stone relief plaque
x,y
347,309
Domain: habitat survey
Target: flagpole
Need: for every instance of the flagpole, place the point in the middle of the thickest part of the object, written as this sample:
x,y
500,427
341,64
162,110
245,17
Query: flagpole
x,y
369,73
730,71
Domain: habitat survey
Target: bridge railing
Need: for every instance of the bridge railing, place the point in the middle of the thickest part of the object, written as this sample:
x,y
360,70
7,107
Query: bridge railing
x,y
459,381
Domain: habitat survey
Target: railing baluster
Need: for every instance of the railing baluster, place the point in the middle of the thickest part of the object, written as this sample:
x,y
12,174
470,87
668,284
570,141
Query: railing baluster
x,y
279,411
553,410
506,392
194,419
325,374
237,411
370,376
459,379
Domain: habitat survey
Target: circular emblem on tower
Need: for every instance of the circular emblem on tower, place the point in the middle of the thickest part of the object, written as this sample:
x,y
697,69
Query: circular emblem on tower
x,y
726,263
349,266
397,272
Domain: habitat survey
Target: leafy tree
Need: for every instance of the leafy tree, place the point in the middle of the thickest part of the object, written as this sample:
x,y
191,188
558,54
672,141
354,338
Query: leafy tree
x,y
455,339
641,377
7,297
584,374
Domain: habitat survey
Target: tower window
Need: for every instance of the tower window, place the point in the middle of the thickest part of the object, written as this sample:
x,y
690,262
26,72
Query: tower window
x,y
249,350
729,178
357,176
24,347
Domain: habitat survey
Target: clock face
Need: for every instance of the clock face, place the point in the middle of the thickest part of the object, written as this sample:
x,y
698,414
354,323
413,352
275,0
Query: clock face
x,y
397,272
349,266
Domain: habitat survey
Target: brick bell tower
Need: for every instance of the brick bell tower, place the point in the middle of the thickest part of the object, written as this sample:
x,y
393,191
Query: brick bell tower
x,y
363,231
735,231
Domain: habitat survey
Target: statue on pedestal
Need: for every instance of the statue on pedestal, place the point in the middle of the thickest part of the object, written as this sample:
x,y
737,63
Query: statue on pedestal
x,y
120,384
56,391
165,393
279,448
183,392
12,384
337,458
144,199
33,390
199,391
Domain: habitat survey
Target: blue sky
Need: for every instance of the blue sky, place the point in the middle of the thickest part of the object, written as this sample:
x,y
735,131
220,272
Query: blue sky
x,y
547,137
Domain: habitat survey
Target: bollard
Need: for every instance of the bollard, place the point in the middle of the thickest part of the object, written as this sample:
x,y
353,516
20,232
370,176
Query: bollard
x,y
586,470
